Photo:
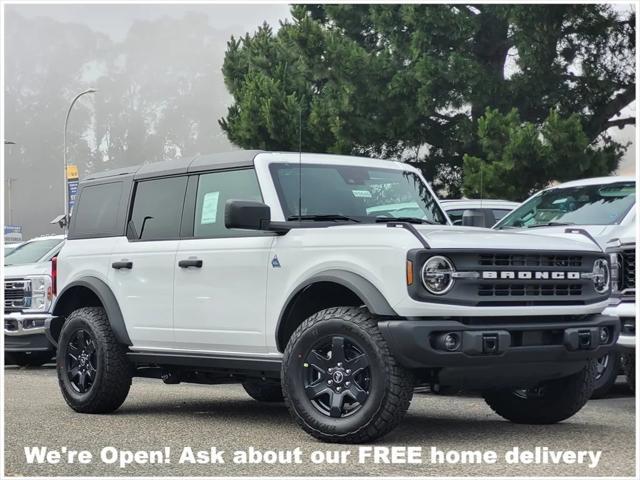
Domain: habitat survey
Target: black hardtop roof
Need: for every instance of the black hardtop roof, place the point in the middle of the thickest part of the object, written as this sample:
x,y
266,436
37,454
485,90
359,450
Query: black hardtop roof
x,y
197,163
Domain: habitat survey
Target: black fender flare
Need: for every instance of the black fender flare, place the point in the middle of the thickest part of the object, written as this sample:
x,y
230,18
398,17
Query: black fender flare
x,y
108,300
372,298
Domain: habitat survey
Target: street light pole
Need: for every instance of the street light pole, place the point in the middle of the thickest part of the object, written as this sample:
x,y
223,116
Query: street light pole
x,y
64,155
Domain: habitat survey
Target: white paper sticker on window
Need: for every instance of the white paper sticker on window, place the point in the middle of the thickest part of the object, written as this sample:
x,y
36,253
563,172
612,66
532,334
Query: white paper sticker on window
x,y
361,193
209,208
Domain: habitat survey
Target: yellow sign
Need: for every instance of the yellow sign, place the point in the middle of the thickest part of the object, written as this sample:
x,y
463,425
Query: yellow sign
x,y
72,172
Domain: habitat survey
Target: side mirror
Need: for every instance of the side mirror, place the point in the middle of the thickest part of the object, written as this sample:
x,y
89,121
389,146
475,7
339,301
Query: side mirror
x,y
247,215
474,218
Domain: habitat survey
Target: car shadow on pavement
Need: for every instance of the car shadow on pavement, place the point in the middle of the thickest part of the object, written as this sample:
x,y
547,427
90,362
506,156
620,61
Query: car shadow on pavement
x,y
416,427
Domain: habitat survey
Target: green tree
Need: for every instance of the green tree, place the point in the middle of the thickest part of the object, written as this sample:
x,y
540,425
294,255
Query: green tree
x,y
519,158
413,81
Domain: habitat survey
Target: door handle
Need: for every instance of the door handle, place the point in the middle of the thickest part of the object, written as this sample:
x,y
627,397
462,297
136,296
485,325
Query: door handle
x,y
123,264
192,262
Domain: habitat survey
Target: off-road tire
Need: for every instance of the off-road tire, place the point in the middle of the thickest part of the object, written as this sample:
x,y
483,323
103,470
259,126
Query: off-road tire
x,y
607,379
390,388
264,391
559,399
113,375
29,359
629,367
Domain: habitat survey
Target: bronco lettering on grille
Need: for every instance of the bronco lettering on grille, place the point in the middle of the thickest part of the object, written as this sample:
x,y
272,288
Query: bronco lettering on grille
x,y
508,275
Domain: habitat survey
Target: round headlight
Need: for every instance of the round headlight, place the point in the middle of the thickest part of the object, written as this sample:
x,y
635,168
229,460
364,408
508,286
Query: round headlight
x,y
437,275
601,276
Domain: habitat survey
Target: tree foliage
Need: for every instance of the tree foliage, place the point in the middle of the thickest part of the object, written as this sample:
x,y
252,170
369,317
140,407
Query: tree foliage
x,y
518,158
160,94
414,81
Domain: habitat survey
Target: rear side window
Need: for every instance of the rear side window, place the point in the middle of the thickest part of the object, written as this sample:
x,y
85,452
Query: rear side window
x,y
214,190
96,213
157,209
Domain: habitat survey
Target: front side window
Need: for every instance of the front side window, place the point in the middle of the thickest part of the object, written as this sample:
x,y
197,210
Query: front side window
x,y
364,194
214,190
30,252
157,209
584,205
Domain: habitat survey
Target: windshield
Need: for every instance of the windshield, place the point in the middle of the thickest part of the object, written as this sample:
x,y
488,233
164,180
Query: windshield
x,y
585,205
360,194
30,252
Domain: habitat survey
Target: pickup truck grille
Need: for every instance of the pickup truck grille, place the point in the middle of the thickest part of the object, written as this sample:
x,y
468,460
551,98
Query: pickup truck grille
x,y
14,295
628,261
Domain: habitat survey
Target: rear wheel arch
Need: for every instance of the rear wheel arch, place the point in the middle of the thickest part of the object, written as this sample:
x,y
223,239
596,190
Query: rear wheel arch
x,y
331,288
89,292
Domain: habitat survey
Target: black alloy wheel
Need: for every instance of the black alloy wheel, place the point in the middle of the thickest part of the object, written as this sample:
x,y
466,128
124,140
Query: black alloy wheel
x,y
81,361
337,376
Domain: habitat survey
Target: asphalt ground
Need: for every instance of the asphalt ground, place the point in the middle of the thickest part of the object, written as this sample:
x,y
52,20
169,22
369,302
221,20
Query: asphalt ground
x,y
156,416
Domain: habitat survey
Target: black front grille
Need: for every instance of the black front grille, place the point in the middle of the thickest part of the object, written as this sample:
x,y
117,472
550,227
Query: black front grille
x,y
628,260
529,260
535,290
14,295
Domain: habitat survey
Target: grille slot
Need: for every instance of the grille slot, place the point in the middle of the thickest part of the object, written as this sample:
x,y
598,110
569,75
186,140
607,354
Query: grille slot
x,y
628,258
530,290
529,260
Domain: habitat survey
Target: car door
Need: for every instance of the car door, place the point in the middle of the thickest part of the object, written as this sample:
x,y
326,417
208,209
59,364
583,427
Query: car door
x,y
220,274
142,263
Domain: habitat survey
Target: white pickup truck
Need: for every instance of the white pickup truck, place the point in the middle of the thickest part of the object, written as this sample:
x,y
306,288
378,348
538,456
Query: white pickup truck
x,y
605,209
28,297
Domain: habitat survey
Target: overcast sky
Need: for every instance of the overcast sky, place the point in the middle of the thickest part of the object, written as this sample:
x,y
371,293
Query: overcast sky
x,y
115,20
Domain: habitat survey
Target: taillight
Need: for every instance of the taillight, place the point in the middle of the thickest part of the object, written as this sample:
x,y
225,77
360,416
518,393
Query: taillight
x,y
54,275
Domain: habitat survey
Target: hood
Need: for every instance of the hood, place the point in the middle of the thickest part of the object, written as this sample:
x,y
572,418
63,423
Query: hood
x,y
601,233
483,239
20,271
624,235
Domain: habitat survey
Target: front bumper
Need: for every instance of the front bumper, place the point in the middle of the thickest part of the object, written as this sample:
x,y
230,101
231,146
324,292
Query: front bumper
x,y
626,312
494,353
28,332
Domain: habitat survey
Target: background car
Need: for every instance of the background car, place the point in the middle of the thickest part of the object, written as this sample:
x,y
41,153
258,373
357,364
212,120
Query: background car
x,y
602,207
492,210
28,294
10,247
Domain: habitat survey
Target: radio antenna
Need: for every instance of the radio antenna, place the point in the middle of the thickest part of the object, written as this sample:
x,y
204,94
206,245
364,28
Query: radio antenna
x,y
300,163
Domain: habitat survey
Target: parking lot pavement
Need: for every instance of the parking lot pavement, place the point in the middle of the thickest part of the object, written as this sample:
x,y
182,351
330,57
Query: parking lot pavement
x,y
176,416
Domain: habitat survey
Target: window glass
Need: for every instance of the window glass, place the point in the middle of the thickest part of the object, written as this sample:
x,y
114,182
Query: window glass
x,y
499,214
157,209
214,190
455,216
582,205
96,213
363,193
30,252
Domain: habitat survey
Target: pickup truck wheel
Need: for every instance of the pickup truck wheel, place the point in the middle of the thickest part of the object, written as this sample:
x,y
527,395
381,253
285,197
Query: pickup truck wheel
x,y
93,371
29,359
340,381
263,391
551,402
606,374
629,366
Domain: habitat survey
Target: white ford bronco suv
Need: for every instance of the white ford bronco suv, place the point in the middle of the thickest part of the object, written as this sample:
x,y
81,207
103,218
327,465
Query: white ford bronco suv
x,y
276,270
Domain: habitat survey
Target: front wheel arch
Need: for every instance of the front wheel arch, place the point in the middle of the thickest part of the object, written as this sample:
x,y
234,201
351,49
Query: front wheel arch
x,y
89,292
331,288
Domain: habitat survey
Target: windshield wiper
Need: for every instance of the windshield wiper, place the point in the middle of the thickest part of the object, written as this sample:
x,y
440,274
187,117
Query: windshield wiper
x,y
323,218
405,219
551,224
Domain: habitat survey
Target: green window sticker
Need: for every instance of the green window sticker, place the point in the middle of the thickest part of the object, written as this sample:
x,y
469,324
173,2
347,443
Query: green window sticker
x,y
209,208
